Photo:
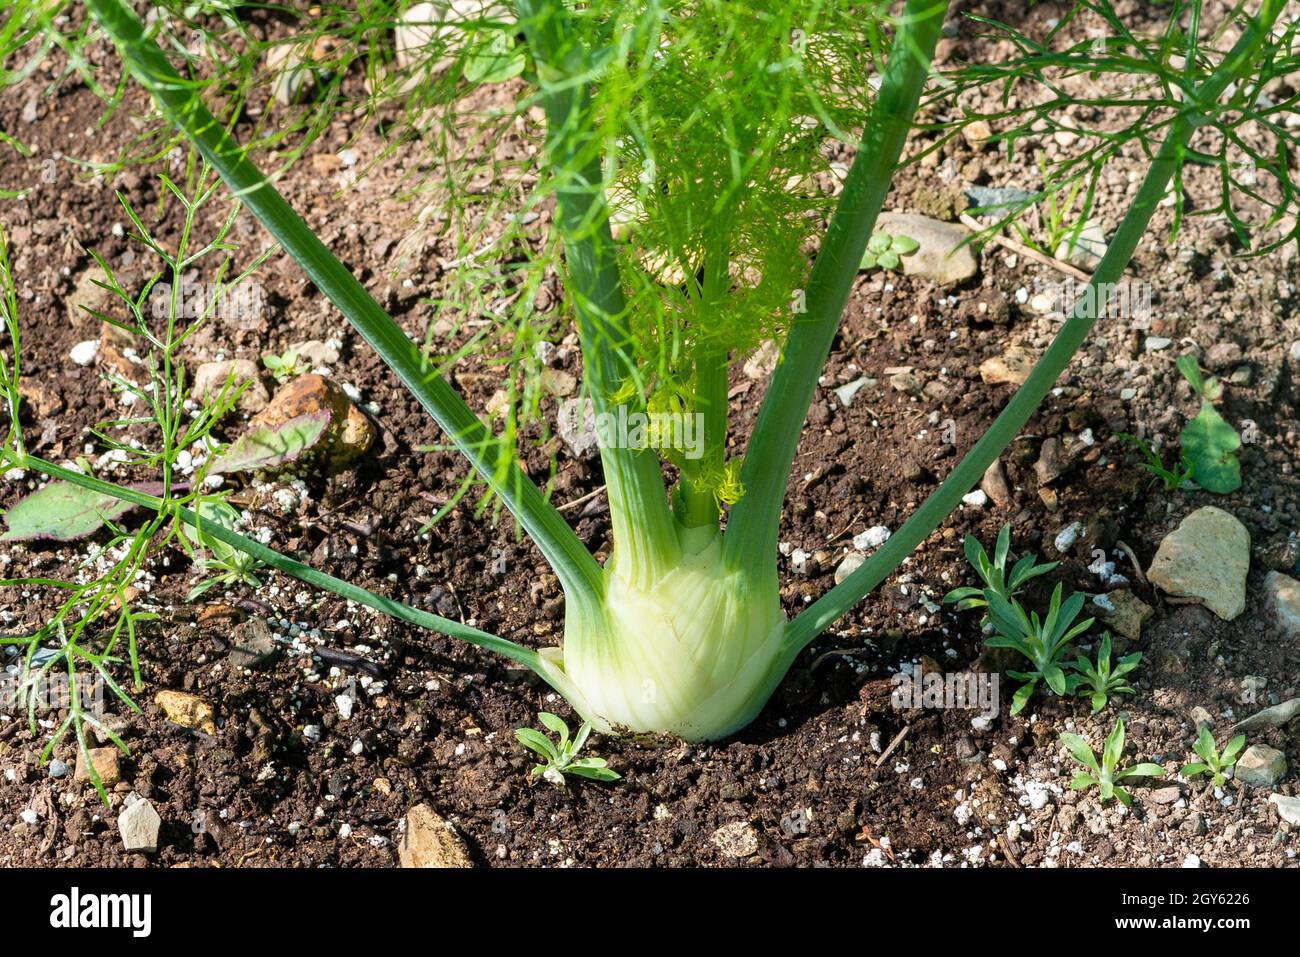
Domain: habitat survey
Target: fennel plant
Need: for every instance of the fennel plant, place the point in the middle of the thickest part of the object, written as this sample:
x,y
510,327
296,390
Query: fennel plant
x,y
682,629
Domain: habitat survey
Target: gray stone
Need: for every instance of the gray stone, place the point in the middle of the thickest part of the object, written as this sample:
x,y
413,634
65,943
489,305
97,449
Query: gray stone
x,y
944,254
1010,368
210,378
851,563
139,824
1288,808
1283,593
1260,767
253,646
1206,558
1274,717
1085,250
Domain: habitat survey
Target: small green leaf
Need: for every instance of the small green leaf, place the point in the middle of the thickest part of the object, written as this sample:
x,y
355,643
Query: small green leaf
x,y
1211,446
555,724
1082,780
1021,697
905,244
534,740
1098,701
1191,770
61,512
1082,752
880,243
494,59
888,260
272,446
1147,770
1230,751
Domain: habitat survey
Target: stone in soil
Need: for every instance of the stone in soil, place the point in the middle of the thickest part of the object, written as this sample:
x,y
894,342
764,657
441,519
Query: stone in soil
x,y
1260,767
430,841
944,255
1206,558
1085,250
850,563
995,485
1052,461
139,824
350,433
1127,613
1274,717
1283,594
187,710
1288,808
252,645
210,379
1010,368
106,765
736,840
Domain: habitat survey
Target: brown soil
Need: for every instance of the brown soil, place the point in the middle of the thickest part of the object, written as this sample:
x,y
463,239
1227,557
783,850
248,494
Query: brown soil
x,y
434,720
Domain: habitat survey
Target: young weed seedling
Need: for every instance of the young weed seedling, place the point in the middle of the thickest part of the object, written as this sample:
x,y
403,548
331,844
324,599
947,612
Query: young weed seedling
x,y
1214,762
1042,641
1098,682
1171,480
562,756
1106,773
993,572
1209,443
285,366
887,251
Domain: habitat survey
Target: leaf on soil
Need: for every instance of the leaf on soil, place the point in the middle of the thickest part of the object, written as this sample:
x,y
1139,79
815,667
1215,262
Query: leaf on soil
x,y
270,446
1211,445
61,512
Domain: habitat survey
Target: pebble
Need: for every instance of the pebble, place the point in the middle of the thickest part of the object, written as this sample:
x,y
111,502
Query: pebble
x,y
187,710
851,563
1157,343
1274,717
1067,536
428,840
1084,251
58,769
139,824
995,485
1127,613
944,255
1283,595
1010,368
1288,808
1052,462
83,353
737,839
976,499
345,703
105,762
1191,860
1260,767
1206,558
872,538
849,390
210,378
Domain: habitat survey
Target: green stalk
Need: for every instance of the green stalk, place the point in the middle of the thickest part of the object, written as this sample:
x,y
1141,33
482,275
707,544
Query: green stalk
x,y
576,569
645,541
818,616
752,529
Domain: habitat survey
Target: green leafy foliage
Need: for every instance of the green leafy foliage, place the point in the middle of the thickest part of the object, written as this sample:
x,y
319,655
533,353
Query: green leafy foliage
x,y
61,512
1208,441
230,565
887,251
993,571
561,754
1214,762
272,446
286,366
1172,480
1042,641
1099,681
494,57
1106,773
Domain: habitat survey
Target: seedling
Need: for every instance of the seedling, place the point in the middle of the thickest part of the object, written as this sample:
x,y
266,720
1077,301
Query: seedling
x,y
1098,682
285,366
1213,762
993,572
562,755
1209,443
1172,480
230,565
1042,641
1106,774
887,251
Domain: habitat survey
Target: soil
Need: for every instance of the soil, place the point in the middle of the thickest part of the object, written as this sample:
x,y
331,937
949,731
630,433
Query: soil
x,y
288,780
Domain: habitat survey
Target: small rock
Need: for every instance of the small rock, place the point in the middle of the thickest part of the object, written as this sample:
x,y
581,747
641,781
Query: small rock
x,y
849,390
851,563
1052,462
872,538
1085,250
737,839
976,499
763,362
1157,343
1127,613
187,710
139,824
293,79
350,432
58,769
1010,368
210,378
1260,767
575,424
1274,717
1169,795
1206,557
995,484
943,255
105,763
1067,536
1288,808
1201,717
430,841
906,383
253,646
1283,593
1191,860
315,352
83,353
